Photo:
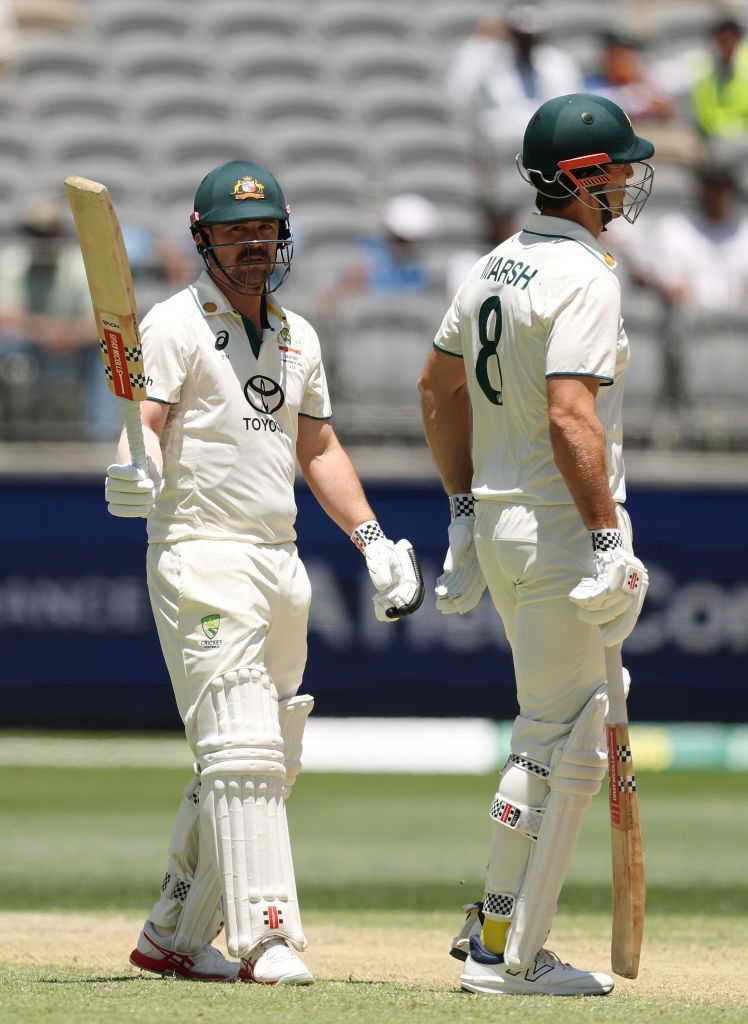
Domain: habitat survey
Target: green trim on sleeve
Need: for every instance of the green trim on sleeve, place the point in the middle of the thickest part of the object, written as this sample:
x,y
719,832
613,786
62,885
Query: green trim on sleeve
x,y
159,401
310,417
455,355
604,381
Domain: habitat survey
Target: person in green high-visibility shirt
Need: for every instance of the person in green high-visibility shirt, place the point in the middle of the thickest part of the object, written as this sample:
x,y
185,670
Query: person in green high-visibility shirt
x,y
719,95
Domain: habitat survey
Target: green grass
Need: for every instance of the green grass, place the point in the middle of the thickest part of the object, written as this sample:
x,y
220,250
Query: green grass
x,y
83,839
408,848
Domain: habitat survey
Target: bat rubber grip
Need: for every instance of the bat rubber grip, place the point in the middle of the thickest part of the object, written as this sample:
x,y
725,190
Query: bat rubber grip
x,y
616,692
134,428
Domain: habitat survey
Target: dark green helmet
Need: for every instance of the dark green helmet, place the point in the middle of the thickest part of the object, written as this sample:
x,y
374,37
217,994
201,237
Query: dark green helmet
x,y
232,193
570,140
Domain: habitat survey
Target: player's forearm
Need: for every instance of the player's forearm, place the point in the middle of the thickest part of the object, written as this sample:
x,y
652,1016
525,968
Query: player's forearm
x,y
446,424
336,486
579,451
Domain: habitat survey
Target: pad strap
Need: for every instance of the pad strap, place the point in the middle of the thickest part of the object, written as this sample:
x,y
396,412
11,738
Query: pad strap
x,y
520,817
498,905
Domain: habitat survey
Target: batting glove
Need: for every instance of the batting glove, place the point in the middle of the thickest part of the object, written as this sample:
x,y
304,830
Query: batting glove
x,y
394,569
131,492
461,585
613,597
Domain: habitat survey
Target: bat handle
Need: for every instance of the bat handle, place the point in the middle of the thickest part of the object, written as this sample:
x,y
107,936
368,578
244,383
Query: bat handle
x,y
616,691
134,428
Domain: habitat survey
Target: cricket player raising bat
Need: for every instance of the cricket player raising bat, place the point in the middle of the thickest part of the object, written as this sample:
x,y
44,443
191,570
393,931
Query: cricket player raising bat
x,y
533,353
236,391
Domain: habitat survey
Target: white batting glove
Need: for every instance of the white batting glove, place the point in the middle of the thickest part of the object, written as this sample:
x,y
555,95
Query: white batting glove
x,y
131,492
394,569
461,585
613,597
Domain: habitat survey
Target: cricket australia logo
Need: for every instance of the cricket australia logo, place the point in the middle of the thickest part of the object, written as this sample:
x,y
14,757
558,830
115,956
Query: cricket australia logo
x,y
211,624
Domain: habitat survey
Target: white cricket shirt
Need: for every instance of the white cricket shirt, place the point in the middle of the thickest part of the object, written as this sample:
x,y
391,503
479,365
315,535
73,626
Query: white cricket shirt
x,y
230,437
545,302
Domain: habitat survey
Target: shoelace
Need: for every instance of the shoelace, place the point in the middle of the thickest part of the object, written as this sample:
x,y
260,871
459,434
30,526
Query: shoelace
x,y
547,956
212,953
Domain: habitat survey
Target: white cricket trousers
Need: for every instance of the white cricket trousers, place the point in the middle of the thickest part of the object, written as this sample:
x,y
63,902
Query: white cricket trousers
x,y
260,594
532,556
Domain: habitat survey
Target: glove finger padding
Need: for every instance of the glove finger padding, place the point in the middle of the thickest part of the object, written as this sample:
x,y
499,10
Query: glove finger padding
x,y
461,585
382,563
405,595
130,492
613,598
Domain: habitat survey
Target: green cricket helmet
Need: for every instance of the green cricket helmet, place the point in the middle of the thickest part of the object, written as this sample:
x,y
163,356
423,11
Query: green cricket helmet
x,y
232,193
568,143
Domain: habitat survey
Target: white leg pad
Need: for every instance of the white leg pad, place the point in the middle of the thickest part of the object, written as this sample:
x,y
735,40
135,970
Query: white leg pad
x,y
293,714
189,908
243,823
517,809
577,769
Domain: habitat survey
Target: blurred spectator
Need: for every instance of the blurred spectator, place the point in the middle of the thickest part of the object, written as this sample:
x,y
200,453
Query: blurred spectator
x,y
49,356
698,260
626,79
524,73
719,95
392,261
8,36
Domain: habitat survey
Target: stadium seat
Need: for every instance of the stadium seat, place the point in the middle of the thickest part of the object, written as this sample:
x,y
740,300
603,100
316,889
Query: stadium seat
x,y
382,103
166,104
365,60
343,184
251,23
339,21
59,60
245,66
410,146
714,356
75,104
141,21
315,150
449,24
286,106
148,64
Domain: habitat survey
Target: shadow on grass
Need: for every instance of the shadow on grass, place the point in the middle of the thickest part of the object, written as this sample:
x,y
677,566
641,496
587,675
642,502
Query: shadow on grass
x,y
88,981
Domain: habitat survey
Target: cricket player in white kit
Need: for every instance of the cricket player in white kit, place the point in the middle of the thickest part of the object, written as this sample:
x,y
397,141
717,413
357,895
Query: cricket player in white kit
x,y
522,397
237,392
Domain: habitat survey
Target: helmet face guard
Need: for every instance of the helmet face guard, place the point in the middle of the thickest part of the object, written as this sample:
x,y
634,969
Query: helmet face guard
x,y
569,145
237,275
236,193
589,173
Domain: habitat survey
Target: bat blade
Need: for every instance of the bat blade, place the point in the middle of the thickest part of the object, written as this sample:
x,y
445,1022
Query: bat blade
x,y
627,847
113,300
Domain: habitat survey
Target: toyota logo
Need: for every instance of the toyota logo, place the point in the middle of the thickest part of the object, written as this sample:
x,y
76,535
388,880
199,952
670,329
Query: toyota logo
x,y
264,394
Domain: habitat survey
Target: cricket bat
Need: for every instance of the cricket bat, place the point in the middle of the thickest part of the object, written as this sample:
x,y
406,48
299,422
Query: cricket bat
x,y
629,883
113,299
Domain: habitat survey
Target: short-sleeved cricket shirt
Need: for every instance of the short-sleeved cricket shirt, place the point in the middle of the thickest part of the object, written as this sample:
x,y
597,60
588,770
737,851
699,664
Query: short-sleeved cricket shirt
x,y
545,302
230,438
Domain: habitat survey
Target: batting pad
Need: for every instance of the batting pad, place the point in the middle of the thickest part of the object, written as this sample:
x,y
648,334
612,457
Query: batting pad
x,y
293,714
189,908
577,769
243,814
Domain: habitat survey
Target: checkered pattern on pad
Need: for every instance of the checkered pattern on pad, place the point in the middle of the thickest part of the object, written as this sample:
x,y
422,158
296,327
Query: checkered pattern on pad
x,y
606,540
498,904
461,505
528,765
366,533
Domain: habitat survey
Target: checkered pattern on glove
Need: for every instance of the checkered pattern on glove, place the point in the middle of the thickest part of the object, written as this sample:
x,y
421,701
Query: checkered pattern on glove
x,y
606,540
461,505
365,533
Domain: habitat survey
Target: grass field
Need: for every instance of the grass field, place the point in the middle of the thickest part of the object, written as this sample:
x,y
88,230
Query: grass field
x,y
383,865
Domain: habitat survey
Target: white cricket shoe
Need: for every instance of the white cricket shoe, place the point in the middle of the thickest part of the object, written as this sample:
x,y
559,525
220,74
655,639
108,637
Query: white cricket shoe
x,y
273,963
152,954
487,972
472,926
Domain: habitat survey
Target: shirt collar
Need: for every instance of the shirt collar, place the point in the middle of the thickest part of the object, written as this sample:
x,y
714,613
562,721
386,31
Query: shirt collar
x,y
558,227
211,301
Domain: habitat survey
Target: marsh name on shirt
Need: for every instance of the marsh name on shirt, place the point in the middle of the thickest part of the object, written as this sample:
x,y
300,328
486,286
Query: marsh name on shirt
x,y
502,269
